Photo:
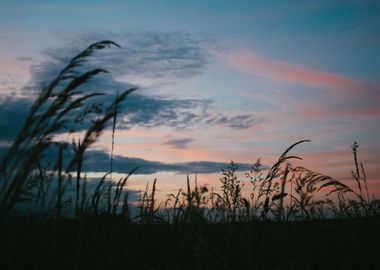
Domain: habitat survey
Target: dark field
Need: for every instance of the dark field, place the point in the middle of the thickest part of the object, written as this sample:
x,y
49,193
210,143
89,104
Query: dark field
x,y
111,244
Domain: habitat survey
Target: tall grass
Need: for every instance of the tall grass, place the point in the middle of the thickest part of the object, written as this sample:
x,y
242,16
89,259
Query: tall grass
x,y
194,228
283,192
54,108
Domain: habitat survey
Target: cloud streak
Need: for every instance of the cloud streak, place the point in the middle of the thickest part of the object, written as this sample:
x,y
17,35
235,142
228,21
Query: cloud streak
x,y
180,143
240,121
98,161
257,65
154,57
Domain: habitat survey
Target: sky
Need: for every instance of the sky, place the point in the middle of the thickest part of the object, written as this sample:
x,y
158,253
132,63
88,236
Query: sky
x,y
217,80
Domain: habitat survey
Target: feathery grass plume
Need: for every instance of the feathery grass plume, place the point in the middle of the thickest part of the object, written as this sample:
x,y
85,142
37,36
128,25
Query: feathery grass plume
x,y
255,177
177,206
35,122
190,203
147,206
119,189
189,199
97,195
363,206
152,199
360,176
97,127
59,180
41,195
47,117
266,188
125,209
79,160
113,135
45,175
41,187
84,199
111,159
231,200
280,196
306,184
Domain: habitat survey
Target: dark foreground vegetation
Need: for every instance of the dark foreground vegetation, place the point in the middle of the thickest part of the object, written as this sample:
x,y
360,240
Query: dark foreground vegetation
x,y
113,244
283,223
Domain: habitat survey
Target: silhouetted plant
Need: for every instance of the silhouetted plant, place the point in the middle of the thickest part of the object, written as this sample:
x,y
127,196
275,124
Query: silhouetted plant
x,y
147,206
230,201
189,206
282,192
305,184
358,202
48,116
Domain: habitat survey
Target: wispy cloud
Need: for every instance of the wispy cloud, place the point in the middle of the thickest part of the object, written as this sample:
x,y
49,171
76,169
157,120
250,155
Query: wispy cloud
x,y
241,121
258,65
156,57
98,161
181,143
327,112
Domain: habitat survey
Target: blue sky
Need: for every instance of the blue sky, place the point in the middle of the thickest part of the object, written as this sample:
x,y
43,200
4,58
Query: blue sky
x,y
218,80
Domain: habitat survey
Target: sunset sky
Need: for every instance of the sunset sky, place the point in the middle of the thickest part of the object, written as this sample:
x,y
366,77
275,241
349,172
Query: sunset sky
x,y
218,80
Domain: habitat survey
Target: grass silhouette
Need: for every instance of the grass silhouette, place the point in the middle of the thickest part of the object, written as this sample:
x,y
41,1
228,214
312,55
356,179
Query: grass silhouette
x,y
280,225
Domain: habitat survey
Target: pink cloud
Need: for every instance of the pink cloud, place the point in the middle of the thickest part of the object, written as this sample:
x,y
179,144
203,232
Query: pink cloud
x,y
313,112
258,65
